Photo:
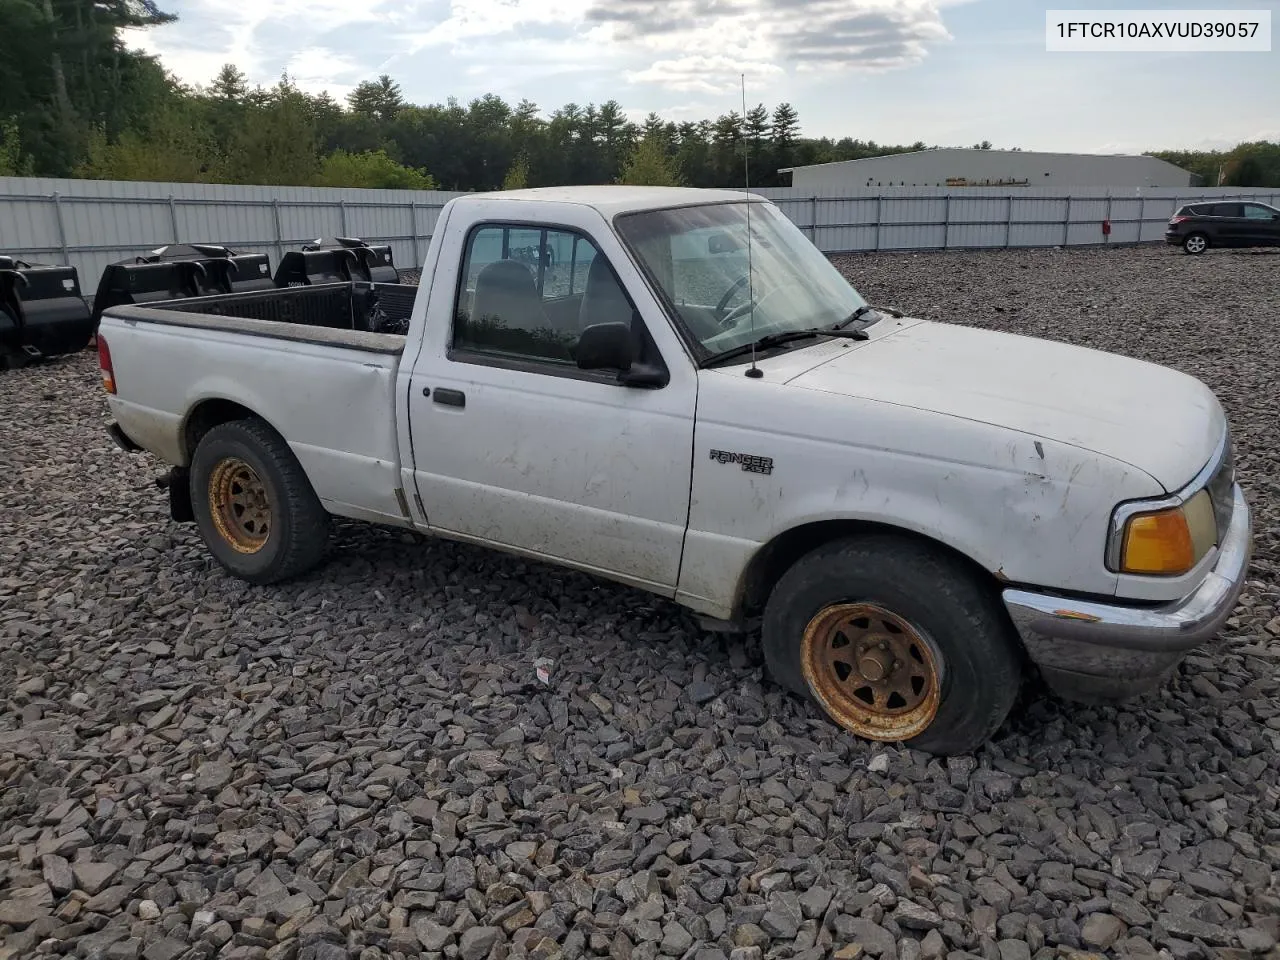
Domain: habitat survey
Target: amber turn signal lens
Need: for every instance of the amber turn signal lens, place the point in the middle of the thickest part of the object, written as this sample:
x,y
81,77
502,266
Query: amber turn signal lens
x,y
1158,543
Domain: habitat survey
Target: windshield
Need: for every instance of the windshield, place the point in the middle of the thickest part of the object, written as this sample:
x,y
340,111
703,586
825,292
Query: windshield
x,y
698,256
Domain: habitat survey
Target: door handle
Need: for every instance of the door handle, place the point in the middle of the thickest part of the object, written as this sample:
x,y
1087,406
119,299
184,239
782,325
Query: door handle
x,y
450,398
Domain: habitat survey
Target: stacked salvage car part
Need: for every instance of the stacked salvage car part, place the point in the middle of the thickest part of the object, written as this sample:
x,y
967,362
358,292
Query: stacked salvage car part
x,y
42,313
180,270
337,260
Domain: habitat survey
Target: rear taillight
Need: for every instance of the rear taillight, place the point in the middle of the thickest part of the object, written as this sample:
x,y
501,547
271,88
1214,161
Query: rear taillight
x,y
1177,220
104,364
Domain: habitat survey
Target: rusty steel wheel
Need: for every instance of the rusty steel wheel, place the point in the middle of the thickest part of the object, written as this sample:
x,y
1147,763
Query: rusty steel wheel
x,y
239,505
875,674
894,639
254,505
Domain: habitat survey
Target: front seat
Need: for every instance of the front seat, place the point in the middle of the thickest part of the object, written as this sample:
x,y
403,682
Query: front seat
x,y
506,298
603,300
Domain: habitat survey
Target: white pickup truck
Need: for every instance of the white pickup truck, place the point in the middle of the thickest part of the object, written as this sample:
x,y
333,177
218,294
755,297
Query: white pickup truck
x,y
676,390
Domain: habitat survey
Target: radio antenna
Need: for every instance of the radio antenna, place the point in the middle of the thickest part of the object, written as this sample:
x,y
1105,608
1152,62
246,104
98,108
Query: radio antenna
x,y
753,371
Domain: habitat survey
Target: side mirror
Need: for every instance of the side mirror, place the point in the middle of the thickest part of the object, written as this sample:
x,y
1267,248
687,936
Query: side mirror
x,y
605,346
611,346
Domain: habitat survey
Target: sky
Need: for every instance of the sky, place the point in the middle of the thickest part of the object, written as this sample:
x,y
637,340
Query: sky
x,y
946,72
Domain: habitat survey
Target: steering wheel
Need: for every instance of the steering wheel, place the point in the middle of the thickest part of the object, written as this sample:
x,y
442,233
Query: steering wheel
x,y
721,316
728,320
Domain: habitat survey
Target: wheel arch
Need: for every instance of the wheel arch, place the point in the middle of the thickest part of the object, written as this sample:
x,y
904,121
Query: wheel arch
x,y
209,413
773,559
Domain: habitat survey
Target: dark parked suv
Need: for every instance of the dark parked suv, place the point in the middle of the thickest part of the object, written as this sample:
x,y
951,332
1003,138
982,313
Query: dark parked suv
x,y
1224,223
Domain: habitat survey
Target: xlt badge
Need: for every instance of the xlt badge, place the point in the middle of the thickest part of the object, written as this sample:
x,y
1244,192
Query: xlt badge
x,y
750,463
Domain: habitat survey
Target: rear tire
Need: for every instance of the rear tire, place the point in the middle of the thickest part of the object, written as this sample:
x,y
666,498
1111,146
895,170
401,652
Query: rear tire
x,y
254,505
1195,244
894,641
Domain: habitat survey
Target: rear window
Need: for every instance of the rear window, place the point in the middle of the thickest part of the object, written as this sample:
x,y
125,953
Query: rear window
x,y
1228,210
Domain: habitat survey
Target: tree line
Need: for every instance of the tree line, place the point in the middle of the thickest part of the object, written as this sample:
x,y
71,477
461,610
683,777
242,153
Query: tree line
x,y
75,101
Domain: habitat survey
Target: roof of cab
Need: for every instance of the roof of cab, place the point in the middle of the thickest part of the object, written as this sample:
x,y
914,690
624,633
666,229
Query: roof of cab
x,y
610,199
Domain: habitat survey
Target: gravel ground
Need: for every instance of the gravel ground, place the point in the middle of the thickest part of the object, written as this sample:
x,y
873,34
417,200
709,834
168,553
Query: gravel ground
x,y
364,763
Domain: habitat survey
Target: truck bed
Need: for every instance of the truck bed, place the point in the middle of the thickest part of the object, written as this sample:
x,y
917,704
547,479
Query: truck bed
x,y
303,359
382,308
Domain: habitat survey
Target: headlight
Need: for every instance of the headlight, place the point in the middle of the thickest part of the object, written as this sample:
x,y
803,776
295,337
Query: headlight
x,y
1169,542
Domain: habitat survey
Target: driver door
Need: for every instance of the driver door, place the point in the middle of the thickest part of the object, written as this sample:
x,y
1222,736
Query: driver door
x,y
514,446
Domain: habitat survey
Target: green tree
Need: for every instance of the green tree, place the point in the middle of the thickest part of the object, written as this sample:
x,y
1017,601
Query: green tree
x,y
173,147
785,129
378,99
277,142
617,139
64,71
517,177
370,169
488,126
726,150
755,135
1255,164
693,154
13,163
1206,165
649,165
230,84
652,127
529,142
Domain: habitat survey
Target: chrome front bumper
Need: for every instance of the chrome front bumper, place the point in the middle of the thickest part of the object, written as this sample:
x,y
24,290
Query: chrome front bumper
x,y
1101,651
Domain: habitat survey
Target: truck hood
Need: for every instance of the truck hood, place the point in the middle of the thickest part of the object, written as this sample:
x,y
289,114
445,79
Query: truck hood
x,y
1151,417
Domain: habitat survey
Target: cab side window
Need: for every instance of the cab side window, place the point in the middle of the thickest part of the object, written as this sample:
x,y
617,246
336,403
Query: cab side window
x,y
527,292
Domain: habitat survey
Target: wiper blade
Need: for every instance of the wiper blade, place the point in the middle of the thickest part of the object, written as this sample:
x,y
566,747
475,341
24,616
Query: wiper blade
x,y
863,310
778,339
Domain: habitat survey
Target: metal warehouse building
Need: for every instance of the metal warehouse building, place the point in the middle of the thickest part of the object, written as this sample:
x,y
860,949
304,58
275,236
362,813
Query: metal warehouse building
x,y
988,168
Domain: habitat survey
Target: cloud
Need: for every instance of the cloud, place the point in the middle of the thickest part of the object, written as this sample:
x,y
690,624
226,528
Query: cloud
x,y
866,38
651,41
473,19
316,69
694,47
210,33
808,35
702,74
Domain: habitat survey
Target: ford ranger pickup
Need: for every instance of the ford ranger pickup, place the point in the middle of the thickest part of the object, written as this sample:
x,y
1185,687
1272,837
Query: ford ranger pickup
x,y
675,389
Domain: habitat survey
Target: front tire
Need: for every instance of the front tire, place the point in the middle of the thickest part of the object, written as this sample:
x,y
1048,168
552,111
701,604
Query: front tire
x,y
1195,244
254,505
894,641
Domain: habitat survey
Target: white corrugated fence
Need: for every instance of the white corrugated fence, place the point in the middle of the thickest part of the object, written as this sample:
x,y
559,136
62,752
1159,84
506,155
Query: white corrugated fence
x,y
90,223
